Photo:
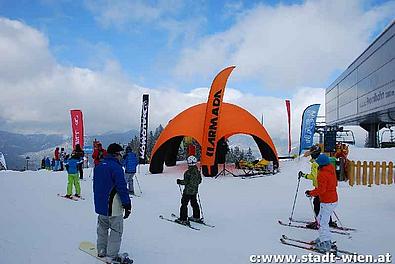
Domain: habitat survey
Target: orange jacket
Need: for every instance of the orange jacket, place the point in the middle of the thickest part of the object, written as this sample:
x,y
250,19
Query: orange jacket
x,y
327,183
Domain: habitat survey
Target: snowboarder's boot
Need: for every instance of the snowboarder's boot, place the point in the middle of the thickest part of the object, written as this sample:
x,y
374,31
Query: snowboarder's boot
x,y
67,196
122,259
77,195
101,253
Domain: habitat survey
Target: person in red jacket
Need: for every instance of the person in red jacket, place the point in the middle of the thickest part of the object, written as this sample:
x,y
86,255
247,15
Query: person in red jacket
x,y
326,190
98,153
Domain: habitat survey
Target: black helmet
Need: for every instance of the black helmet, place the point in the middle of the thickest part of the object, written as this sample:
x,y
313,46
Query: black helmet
x,y
114,148
315,151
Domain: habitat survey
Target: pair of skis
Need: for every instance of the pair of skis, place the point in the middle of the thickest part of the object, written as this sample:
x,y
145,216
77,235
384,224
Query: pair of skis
x,y
310,246
174,217
305,227
342,228
72,197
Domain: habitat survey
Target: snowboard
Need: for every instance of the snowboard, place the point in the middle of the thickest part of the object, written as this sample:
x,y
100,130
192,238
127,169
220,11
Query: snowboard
x,y
91,249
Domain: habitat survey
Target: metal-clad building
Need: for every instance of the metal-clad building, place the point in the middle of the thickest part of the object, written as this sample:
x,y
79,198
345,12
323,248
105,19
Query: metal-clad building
x,y
364,94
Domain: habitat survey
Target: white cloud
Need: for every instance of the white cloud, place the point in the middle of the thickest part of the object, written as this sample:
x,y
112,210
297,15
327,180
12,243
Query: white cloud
x,y
288,46
109,101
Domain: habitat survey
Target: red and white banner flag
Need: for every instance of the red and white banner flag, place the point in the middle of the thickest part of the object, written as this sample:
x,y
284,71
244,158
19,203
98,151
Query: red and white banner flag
x,y
77,125
288,104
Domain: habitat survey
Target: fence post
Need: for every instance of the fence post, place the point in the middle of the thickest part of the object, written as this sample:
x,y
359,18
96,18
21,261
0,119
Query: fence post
x,y
370,173
364,173
390,172
358,174
351,173
384,172
377,173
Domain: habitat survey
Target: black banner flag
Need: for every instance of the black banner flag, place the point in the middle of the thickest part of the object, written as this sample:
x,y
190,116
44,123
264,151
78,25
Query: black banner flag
x,y
143,130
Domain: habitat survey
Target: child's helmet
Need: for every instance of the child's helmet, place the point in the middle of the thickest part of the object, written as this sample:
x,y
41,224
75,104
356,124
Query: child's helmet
x,y
191,160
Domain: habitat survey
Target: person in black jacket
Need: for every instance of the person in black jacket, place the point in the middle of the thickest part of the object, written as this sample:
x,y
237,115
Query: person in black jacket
x,y
78,152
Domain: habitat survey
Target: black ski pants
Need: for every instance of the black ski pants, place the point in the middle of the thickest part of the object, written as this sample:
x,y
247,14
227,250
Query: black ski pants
x,y
184,206
317,203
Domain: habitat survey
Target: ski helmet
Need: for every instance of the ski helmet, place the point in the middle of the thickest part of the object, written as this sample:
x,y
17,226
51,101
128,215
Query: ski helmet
x,y
191,160
315,151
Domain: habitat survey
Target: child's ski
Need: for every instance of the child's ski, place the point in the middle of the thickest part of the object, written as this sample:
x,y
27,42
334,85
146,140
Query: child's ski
x,y
193,220
70,198
172,220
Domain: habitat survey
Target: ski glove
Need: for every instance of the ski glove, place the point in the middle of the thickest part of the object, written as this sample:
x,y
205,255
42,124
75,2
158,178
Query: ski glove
x,y
307,194
178,181
128,210
300,174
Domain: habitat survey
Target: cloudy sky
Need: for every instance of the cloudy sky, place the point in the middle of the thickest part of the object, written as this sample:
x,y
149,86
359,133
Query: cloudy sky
x,y
101,56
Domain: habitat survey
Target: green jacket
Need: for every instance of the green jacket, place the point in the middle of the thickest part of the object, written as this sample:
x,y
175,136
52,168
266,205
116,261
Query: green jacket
x,y
192,179
313,173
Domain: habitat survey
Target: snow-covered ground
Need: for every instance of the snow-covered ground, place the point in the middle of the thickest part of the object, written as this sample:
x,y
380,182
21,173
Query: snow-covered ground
x,y
36,226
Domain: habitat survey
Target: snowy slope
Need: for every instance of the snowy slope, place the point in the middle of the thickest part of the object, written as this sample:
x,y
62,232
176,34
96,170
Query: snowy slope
x,y
36,226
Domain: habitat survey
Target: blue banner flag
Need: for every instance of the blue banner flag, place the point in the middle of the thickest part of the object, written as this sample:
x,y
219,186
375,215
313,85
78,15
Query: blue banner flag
x,y
309,118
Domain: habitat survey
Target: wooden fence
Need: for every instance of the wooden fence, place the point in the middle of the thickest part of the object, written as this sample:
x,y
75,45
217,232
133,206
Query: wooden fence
x,y
368,173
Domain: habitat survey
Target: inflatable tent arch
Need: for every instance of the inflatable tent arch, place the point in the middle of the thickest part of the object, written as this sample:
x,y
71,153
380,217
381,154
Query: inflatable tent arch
x,y
190,123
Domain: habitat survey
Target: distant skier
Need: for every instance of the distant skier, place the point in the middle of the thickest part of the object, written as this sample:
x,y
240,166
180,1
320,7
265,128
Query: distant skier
x,y
98,153
80,154
57,159
192,179
47,163
314,152
42,163
71,165
62,158
130,163
326,190
111,199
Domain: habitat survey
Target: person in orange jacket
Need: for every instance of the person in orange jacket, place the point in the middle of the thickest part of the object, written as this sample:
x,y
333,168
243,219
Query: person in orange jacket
x,y
326,190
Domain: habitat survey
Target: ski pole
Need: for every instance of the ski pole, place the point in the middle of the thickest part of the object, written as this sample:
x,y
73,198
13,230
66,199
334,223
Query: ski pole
x,y
293,207
338,219
180,189
138,184
200,205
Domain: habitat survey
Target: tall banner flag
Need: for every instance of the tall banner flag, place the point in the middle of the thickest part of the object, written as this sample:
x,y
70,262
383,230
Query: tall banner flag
x,y
143,130
212,119
77,125
309,118
288,104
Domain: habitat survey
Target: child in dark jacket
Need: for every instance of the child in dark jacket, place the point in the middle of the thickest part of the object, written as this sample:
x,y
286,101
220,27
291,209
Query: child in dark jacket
x,y
73,176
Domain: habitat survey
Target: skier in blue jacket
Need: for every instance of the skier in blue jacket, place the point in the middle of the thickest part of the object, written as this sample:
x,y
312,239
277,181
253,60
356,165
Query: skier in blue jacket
x,y
73,178
111,199
130,162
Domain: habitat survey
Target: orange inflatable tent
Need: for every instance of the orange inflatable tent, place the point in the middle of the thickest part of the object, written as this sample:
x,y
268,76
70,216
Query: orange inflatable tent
x,y
190,123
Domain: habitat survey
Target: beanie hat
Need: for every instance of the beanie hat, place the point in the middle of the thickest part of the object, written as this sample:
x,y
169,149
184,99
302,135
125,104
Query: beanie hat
x,y
322,160
114,148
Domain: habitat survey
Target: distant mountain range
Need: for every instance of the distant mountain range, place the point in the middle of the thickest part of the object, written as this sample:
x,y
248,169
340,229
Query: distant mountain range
x,y
16,147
